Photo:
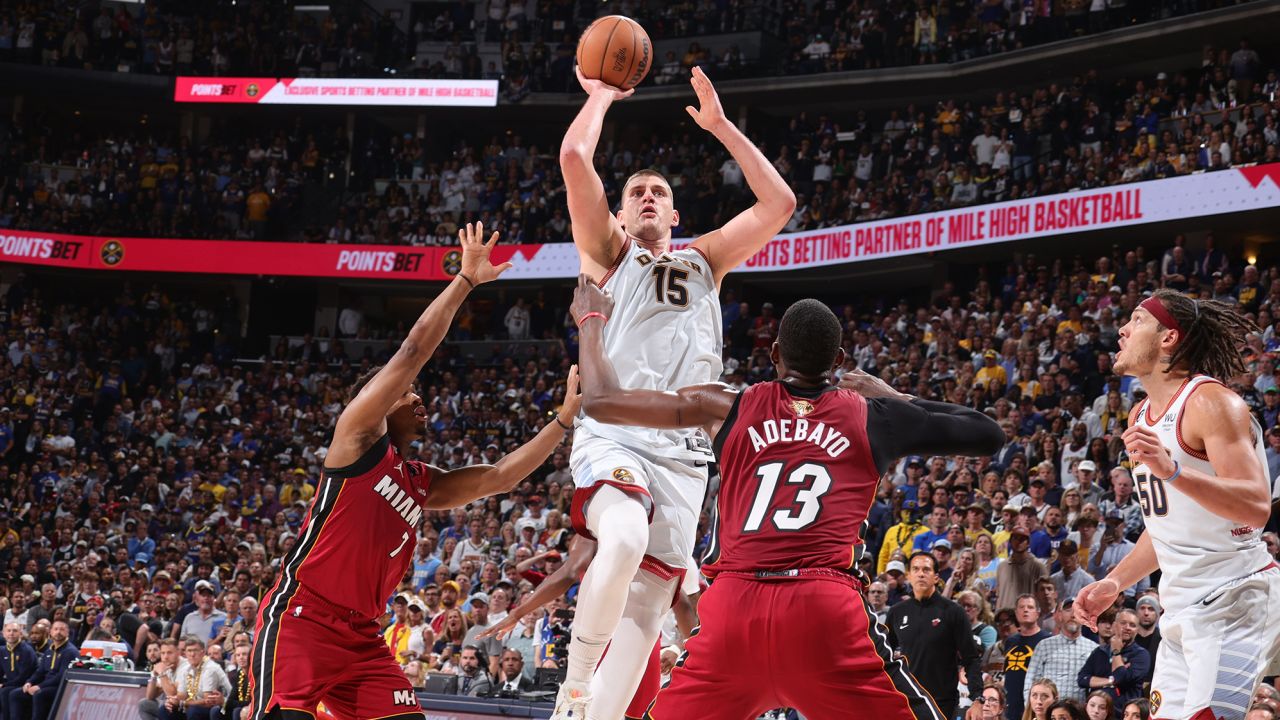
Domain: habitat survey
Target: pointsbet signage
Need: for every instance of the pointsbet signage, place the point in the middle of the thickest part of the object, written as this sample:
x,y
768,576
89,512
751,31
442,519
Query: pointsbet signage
x,y
336,91
1238,190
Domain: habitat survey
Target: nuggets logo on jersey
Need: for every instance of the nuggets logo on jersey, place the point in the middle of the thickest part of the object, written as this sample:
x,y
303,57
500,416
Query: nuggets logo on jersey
x,y
1156,699
623,475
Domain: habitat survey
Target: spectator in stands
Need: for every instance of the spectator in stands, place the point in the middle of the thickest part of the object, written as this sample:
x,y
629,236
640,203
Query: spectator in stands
x,y
1019,648
511,678
1018,574
1060,657
1149,610
1120,665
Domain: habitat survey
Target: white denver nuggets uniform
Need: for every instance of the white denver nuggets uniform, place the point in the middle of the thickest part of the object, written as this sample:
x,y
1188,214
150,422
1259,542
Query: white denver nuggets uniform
x,y
665,333
1219,587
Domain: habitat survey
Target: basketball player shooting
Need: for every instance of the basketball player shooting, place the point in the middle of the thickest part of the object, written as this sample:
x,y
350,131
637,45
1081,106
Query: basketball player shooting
x,y
784,624
317,633
1200,475
666,334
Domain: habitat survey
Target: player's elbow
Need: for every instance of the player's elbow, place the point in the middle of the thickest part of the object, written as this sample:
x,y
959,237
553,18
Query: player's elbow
x,y
574,157
1259,513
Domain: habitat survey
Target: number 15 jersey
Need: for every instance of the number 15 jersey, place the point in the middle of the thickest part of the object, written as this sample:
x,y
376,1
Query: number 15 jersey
x,y
797,478
666,333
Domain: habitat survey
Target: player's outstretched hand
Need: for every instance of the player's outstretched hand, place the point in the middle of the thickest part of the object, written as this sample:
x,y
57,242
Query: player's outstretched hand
x,y
475,254
1144,447
599,87
1093,599
709,115
501,629
590,298
868,385
572,398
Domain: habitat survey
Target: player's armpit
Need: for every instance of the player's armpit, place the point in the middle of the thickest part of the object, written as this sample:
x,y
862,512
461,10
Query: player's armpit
x,y
689,407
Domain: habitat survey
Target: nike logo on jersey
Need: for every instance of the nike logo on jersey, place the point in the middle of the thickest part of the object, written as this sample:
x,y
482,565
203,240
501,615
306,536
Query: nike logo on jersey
x,y
399,500
787,430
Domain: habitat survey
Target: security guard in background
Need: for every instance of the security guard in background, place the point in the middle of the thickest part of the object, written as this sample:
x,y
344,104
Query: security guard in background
x,y
17,662
933,633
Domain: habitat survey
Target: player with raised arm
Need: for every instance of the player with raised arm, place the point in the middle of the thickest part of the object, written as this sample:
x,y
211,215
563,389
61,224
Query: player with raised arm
x,y
639,489
1200,472
317,633
784,623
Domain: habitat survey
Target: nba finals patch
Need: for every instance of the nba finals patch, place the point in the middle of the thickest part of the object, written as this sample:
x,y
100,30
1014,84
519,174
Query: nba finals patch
x,y
623,475
801,407
1156,699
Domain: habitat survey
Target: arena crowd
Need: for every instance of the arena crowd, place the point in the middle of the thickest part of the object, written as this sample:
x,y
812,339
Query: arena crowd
x,y
153,480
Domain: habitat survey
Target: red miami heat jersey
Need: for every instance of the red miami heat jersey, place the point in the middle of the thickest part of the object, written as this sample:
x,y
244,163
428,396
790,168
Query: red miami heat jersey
x,y
797,479
358,538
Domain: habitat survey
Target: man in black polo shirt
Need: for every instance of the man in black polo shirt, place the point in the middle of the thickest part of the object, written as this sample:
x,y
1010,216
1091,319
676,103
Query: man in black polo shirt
x,y
933,633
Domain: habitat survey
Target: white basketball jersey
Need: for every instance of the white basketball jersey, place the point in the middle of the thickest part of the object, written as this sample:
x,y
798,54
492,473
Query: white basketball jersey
x,y
665,334
1198,551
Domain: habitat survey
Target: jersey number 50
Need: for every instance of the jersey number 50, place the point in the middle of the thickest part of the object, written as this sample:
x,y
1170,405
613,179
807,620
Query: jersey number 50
x,y
1151,494
814,480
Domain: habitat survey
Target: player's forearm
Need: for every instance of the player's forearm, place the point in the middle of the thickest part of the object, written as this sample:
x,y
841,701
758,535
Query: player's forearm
x,y
579,143
515,466
599,379
430,328
1241,500
771,190
1139,563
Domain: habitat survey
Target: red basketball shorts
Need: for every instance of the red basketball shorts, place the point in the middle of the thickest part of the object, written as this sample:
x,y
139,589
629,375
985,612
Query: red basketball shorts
x,y
313,651
808,643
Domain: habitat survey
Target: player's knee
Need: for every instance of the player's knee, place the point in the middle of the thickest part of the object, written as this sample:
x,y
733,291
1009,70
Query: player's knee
x,y
624,544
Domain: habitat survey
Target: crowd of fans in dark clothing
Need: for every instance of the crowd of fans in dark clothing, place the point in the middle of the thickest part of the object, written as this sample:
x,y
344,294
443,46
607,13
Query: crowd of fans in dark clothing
x,y
152,481
1080,134
537,39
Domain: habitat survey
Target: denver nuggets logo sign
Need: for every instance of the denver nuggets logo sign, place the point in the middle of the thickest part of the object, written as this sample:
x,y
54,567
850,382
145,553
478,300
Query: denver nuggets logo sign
x,y
623,475
452,262
1156,699
801,407
112,253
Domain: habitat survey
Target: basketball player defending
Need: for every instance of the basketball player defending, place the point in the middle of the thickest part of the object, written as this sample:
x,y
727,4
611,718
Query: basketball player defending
x,y
317,633
784,623
639,489
1200,474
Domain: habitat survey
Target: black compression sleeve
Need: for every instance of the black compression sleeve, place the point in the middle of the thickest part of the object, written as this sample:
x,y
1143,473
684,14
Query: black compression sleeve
x,y
924,427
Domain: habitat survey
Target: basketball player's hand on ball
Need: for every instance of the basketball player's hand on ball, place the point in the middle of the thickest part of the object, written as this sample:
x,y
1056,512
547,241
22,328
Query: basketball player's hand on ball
x,y
475,254
1144,447
709,115
598,87
590,298
1094,599
868,385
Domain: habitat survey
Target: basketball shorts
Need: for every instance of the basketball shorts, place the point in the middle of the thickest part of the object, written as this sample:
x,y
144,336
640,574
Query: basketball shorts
x,y
319,652
1212,654
671,490
809,643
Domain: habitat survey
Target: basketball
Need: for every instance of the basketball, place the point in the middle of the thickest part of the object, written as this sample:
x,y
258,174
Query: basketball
x,y
616,51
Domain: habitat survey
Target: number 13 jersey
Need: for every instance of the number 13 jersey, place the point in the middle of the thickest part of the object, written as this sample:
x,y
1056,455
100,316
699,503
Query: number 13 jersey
x,y
1198,551
797,478
666,333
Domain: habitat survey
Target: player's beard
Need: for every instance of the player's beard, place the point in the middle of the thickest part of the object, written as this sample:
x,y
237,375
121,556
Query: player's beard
x,y
1135,359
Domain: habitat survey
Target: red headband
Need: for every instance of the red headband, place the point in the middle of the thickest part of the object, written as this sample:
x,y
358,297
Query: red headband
x,y
1161,313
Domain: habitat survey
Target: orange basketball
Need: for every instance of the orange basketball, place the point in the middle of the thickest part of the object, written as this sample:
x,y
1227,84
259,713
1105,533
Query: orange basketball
x,y
616,51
